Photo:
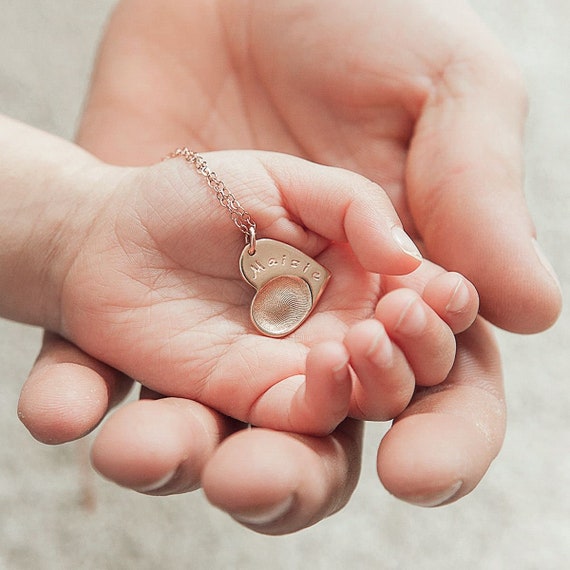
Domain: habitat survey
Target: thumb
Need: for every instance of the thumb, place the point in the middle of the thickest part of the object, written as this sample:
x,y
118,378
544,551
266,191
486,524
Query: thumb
x,y
465,183
304,204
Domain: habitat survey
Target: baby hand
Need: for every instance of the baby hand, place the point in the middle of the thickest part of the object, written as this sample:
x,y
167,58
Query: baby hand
x,y
155,291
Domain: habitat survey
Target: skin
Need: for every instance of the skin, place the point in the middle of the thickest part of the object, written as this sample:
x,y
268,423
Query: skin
x,y
422,100
138,268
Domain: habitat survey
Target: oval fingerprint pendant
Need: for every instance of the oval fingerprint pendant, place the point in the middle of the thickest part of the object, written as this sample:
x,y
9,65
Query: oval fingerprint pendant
x,y
288,285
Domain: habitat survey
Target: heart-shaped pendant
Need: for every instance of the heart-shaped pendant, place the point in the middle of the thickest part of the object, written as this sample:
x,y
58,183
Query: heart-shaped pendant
x,y
288,284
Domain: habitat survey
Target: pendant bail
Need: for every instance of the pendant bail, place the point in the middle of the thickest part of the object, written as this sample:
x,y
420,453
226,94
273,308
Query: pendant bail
x,y
251,240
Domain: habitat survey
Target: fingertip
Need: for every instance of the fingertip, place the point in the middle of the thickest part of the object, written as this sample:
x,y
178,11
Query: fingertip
x,y
62,402
67,392
133,451
454,298
265,515
386,250
432,459
384,380
159,447
441,446
253,476
324,402
276,483
374,231
525,297
518,288
329,354
425,339
406,245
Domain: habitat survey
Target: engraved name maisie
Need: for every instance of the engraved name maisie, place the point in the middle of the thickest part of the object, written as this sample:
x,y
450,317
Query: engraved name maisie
x,y
298,266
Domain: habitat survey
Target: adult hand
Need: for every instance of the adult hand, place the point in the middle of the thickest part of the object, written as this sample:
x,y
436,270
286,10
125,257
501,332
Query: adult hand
x,y
416,96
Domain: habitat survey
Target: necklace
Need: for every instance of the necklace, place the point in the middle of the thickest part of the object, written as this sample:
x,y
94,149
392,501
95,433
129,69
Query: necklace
x,y
288,283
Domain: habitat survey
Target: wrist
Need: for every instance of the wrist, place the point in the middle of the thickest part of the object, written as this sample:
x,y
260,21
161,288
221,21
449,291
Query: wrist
x,y
41,200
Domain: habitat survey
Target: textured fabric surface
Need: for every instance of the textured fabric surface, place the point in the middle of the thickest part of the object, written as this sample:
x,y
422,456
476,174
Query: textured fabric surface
x,y
56,514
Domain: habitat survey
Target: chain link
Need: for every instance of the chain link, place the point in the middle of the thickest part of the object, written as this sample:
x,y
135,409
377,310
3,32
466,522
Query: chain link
x,y
240,217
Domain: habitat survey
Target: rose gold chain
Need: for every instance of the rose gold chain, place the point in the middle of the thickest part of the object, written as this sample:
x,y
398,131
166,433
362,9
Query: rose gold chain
x,y
241,218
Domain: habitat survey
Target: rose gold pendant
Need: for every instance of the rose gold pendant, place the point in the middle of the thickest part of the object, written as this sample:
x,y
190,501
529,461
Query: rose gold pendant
x,y
288,285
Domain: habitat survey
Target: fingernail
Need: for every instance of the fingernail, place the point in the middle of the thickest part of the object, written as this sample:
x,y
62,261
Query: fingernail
x,y
405,243
340,371
436,499
381,352
412,320
545,263
154,486
459,297
267,516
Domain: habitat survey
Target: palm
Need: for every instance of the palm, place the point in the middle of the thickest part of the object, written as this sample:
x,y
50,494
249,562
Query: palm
x,y
280,91
344,100
177,302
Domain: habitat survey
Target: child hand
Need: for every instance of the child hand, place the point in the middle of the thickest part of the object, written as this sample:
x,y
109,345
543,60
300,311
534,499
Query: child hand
x,y
155,291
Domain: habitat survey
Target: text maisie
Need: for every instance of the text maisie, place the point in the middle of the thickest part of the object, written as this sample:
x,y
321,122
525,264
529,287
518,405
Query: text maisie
x,y
297,266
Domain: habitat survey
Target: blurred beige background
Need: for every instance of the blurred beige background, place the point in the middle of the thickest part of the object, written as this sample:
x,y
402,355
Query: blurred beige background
x,y
518,518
